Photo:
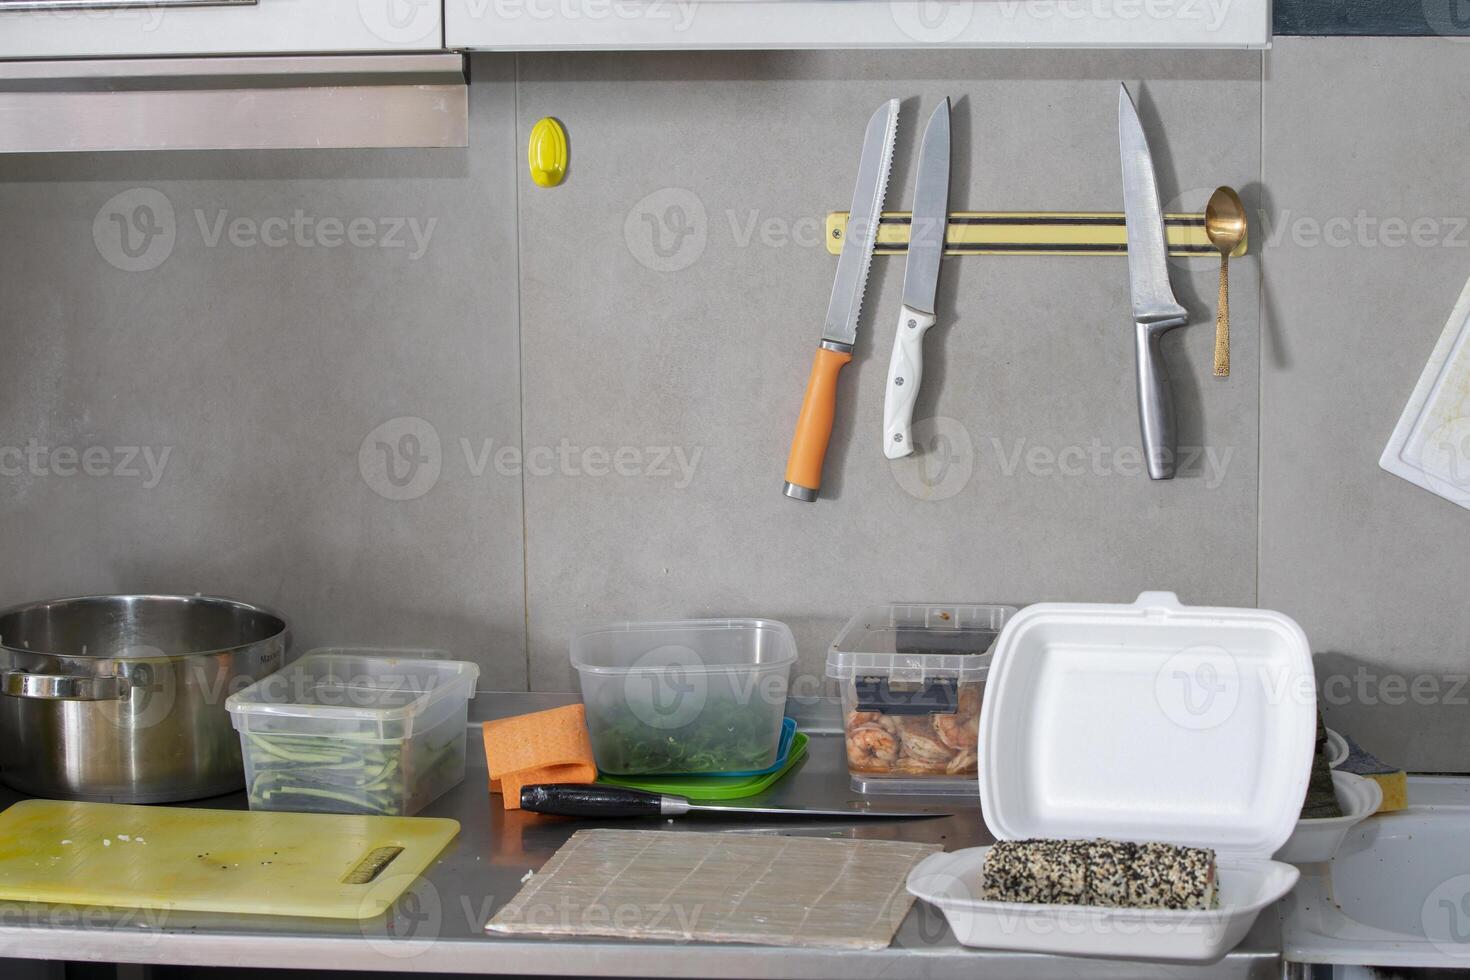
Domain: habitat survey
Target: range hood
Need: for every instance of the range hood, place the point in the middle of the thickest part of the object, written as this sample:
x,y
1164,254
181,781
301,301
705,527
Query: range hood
x,y
256,102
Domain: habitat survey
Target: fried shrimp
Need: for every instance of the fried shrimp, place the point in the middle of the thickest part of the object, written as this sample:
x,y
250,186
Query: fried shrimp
x,y
871,747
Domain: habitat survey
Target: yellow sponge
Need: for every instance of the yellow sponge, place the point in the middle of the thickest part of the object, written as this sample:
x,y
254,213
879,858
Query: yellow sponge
x,y
1394,782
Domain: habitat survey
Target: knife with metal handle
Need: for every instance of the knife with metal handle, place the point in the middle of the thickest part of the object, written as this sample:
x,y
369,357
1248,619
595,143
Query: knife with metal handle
x,y
1155,310
581,800
819,404
929,221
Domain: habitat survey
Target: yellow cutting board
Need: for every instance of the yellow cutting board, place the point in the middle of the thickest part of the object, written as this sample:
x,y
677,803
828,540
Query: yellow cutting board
x,y
313,864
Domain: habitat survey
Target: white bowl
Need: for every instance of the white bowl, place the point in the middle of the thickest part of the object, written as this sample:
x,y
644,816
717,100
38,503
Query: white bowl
x,y
1337,749
951,883
1316,841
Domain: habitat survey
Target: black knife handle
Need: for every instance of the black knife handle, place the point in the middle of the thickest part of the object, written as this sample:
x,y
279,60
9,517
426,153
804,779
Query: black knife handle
x,y
578,800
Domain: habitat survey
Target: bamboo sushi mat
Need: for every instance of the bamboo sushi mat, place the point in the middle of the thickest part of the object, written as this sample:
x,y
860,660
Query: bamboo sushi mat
x,y
721,888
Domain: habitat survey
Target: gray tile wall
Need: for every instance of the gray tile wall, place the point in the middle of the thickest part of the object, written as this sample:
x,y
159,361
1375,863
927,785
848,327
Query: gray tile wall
x,y
261,357
598,381
1376,569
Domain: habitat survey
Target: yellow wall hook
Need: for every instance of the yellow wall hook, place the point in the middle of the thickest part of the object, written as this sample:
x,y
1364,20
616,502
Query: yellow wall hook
x,y
546,153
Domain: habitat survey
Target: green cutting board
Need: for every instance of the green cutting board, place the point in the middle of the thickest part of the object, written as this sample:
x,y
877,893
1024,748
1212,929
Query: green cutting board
x,y
322,865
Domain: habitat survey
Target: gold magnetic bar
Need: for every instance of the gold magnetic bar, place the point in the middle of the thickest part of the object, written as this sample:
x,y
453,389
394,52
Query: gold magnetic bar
x,y
1032,233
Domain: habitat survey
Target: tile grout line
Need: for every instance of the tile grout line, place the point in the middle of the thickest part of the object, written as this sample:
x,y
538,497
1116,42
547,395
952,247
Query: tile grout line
x,y
1260,342
515,126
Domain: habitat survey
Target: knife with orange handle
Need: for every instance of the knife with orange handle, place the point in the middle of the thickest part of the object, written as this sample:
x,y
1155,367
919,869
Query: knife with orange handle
x,y
819,405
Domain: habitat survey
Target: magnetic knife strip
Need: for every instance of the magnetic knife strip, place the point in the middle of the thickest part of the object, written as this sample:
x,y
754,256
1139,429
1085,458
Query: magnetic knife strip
x,y
1031,233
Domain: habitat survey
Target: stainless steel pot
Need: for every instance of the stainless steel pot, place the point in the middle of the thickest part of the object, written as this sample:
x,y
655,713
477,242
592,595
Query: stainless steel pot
x,y
122,698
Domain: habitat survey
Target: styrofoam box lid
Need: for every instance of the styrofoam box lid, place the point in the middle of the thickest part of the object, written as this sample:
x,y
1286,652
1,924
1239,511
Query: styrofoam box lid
x,y
1149,721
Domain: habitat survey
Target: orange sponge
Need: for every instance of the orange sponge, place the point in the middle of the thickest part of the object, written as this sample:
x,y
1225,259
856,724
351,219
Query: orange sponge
x,y
542,747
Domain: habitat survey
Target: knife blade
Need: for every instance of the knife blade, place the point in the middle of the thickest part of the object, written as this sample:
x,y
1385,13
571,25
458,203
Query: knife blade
x,y
929,221
819,403
581,800
1155,310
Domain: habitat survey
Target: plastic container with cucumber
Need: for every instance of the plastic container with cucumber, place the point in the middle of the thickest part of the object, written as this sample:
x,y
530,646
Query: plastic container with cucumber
x,y
355,731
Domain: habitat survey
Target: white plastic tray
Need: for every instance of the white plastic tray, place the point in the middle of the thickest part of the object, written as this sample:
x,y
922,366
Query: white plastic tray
x,y
951,883
1315,841
1430,446
1149,721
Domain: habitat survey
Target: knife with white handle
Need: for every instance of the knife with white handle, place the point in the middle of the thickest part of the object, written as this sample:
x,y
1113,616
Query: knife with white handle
x,y
929,221
1155,310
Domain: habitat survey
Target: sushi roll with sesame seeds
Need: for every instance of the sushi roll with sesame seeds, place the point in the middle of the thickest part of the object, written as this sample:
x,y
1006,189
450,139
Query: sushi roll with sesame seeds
x,y
1010,873
1111,874
1174,877
1067,873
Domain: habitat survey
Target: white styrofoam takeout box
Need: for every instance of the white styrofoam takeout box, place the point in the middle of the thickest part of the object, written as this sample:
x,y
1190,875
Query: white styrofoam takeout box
x,y
1149,721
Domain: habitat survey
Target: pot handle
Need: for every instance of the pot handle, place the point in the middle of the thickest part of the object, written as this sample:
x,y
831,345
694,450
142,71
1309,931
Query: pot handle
x,y
61,687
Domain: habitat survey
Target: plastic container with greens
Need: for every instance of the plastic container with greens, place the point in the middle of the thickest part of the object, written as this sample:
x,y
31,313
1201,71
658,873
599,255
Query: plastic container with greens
x,y
697,696
355,731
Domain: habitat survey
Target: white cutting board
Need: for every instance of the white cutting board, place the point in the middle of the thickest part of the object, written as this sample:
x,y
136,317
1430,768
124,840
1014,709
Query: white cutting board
x,y
1431,444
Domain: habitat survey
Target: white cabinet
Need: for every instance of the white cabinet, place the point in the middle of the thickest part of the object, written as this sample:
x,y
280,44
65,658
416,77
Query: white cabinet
x,y
128,28
562,25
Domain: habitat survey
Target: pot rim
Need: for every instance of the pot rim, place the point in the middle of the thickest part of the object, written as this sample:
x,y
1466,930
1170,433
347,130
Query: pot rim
x,y
279,634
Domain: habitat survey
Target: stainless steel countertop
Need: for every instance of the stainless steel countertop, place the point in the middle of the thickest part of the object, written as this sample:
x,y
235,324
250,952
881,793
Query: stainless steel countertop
x,y
439,923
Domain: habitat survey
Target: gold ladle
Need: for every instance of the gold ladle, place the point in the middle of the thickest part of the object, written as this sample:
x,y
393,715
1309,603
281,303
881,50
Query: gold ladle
x,y
1225,228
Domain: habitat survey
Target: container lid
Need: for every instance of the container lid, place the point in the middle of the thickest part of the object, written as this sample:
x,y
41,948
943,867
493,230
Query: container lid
x,y
693,646
914,642
358,684
1149,721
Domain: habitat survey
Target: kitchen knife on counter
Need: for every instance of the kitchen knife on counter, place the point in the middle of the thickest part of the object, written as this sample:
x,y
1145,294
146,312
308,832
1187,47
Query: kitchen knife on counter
x,y
582,800
1155,310
929,221
819,404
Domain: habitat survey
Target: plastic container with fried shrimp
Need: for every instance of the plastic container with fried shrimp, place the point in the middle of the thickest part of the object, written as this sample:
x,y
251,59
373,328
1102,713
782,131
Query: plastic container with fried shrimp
x,y
912,679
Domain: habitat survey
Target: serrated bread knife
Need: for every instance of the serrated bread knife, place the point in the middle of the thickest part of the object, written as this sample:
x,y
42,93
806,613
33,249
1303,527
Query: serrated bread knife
x,y
819,404
1155,310
929,221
